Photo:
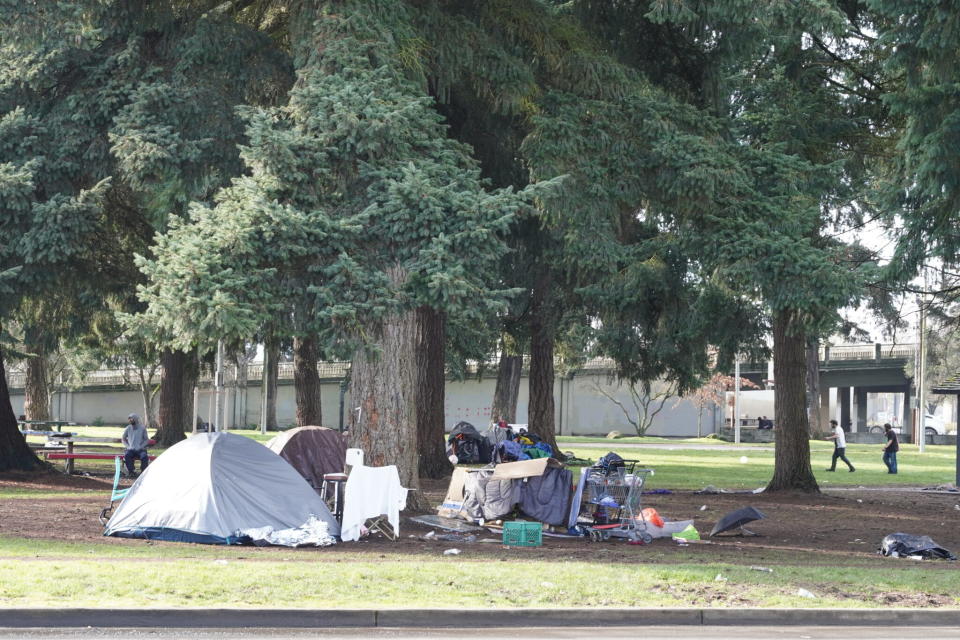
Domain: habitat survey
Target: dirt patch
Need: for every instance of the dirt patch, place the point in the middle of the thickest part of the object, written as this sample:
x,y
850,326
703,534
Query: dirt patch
x,y
838,527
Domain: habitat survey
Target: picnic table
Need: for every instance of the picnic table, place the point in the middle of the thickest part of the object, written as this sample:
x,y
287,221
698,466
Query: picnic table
x,y
26,425
69,455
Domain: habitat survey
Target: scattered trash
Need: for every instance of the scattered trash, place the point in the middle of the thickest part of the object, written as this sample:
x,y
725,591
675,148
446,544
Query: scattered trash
x,y
859,500
803,593
703,507
957,507
452,552
719,578
709,489
457,537
744,460
650,515
220,561
447,524
949,488
690,533
431,534
547,585
736,519
904,544
658,492
764,569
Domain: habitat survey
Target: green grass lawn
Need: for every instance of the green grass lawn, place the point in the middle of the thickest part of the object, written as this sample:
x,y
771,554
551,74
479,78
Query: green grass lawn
x,y
146,575
724,468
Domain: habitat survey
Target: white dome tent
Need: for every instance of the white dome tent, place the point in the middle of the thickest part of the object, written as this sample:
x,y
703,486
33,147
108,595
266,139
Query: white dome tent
x,y
212,486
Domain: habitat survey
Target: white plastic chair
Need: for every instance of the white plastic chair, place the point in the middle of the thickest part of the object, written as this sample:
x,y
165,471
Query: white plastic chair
x,y
354,458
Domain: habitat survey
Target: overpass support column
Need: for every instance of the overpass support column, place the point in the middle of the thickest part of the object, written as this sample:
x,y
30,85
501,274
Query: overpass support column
x,y
843,399
860,397
825,414
906,420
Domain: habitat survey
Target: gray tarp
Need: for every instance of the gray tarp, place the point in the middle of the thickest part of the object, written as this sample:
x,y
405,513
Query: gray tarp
x,y
547,498
209,486
313,451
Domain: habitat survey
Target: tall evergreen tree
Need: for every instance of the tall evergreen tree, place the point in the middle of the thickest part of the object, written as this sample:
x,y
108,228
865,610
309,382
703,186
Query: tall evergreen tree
x,y
358,199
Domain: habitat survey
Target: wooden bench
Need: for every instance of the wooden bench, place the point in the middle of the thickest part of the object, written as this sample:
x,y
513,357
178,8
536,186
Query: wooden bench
x,y
70,457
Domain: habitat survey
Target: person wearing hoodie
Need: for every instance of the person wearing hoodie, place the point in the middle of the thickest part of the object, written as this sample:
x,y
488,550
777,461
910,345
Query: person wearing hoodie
x,y
135,442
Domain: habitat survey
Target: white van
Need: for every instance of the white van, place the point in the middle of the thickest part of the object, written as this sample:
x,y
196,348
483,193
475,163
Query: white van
x,y
933,426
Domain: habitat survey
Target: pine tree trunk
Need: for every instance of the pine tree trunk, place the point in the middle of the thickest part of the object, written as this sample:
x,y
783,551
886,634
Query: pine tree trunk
x,y
176,411
15,455
271,374
541,407
792,471
36,405
813,387
507,391
383,385
306,381
431,388
148,392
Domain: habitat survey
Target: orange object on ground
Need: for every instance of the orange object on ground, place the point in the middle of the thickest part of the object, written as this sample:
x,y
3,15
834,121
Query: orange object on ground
x,y
650,515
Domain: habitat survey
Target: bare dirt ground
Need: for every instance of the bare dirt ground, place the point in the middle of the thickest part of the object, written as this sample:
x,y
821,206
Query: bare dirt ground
x,y
840,527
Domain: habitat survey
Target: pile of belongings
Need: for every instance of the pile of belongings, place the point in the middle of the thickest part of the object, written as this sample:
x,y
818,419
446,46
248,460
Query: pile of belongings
x,y
540,488
496,444
524,446
467,445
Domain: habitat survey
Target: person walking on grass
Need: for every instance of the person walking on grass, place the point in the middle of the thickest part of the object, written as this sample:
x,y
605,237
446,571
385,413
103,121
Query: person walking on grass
x,y
890,449
135,442
839,447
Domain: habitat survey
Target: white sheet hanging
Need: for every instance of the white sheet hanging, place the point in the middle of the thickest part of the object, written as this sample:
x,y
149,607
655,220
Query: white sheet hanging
x,y
370,492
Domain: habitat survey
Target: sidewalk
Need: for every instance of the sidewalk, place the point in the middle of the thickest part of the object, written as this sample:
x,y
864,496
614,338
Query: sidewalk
x,y
479,618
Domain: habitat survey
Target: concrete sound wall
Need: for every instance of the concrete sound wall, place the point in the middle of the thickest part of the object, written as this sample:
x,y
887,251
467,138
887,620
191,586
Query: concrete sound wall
x,y
580,404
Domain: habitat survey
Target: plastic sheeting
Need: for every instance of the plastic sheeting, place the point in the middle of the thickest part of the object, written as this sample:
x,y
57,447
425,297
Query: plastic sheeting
x,y
905,544
312,533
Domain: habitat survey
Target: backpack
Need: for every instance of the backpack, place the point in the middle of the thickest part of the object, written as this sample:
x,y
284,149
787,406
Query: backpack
x,y
467,451
609,462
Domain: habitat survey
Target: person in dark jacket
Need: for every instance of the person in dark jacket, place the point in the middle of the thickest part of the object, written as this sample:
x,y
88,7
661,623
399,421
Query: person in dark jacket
x,y
890,449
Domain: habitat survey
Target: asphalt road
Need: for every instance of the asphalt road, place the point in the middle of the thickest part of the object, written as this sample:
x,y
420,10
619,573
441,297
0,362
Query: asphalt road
x,y
528,633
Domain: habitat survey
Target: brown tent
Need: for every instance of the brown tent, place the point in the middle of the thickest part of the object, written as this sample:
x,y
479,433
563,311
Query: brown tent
x,y
313,451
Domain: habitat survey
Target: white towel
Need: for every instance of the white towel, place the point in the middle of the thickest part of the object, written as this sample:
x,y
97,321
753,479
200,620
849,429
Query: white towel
x,y
370,492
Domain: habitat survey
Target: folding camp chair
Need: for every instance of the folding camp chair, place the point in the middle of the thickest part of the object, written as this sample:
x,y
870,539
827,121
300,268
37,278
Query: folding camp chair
x,y
116,493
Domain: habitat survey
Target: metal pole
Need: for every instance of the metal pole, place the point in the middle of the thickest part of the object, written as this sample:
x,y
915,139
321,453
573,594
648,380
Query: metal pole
x,y
218,388
343,391
921,378
736,401
263,390
196,396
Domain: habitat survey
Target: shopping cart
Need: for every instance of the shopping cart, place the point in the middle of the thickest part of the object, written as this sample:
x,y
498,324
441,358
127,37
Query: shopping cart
x,y
610,506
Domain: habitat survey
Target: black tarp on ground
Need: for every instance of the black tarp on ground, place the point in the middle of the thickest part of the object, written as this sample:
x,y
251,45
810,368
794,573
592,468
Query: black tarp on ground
x,y
905,544
736,520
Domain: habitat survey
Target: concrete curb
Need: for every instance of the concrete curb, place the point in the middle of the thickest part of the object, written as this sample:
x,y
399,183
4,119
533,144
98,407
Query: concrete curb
x,y
479,618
